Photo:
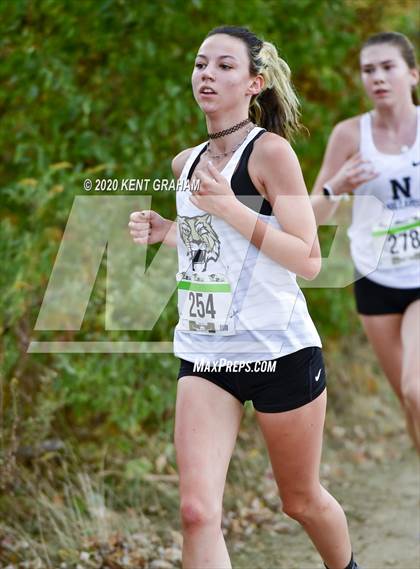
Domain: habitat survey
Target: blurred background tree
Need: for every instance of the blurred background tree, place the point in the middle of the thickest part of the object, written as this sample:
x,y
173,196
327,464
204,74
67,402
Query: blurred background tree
x,y
101,89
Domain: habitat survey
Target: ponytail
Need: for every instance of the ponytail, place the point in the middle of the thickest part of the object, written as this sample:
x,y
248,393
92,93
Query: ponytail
x,y
276,108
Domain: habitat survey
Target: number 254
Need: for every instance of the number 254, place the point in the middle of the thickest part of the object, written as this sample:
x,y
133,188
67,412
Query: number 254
x,y
203,308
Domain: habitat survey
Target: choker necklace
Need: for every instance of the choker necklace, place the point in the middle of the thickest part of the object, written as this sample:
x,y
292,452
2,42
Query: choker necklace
x,y
234,149
229,130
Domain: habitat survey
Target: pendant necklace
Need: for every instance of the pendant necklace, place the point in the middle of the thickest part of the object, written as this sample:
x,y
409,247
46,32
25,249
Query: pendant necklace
x,y
232,150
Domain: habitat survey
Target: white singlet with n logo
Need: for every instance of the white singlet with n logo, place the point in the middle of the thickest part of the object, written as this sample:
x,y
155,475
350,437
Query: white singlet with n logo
x,y
385,239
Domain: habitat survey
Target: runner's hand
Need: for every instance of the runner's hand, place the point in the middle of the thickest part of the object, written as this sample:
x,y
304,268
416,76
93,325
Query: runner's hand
x,y
354,172
148,227
214,193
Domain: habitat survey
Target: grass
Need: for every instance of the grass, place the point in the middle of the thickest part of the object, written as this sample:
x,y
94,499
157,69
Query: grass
x,y
62,511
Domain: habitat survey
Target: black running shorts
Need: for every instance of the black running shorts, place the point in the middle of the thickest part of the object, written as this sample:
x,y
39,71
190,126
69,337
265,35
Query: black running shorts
x,y
373,298
273,386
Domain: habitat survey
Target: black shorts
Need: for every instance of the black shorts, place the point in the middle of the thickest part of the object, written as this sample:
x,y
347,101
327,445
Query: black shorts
x,y
273,386
373,298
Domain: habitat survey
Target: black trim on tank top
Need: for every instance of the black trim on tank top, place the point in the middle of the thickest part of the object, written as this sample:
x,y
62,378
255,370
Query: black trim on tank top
x,y
241,182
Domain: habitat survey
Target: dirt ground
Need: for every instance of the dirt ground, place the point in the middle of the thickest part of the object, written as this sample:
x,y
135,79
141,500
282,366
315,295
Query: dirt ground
x,y
381,501
368,464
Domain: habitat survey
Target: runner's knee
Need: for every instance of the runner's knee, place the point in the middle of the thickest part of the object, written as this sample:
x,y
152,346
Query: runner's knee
x,y
197,512
303,506
411,394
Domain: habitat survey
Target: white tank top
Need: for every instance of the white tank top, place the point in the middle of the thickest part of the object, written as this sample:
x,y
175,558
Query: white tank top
x,y
235,303
385,236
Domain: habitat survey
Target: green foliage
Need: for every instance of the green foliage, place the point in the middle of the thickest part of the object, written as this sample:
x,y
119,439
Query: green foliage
x,y
100,89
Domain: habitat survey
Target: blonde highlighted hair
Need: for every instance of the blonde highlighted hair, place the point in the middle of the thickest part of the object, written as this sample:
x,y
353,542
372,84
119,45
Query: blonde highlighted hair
x,y
276,107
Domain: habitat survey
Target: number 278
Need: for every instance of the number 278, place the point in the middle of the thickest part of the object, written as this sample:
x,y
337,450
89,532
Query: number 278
x,y
413,236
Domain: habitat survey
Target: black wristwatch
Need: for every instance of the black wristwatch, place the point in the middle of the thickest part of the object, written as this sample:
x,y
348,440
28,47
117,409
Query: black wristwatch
x,y
328,193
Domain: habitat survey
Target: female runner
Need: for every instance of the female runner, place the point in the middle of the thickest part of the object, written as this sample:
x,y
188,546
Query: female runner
x,y
378,154
242,238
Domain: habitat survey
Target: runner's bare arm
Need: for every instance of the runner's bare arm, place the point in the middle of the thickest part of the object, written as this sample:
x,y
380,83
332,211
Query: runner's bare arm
x,y
178,164
342,144
296,245
277,171
148,227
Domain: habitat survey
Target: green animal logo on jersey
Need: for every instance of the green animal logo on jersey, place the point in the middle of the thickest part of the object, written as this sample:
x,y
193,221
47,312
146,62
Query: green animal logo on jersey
x,y
200,239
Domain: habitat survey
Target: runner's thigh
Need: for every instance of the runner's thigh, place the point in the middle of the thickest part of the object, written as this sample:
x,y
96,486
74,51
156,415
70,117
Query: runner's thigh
x,y
294,442
410,334
384,334
206,426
